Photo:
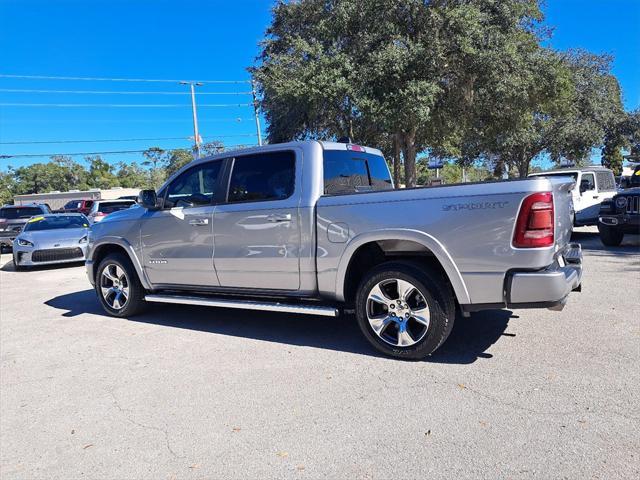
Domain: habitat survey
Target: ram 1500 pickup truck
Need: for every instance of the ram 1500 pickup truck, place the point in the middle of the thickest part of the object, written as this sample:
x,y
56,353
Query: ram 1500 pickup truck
x,y
318,228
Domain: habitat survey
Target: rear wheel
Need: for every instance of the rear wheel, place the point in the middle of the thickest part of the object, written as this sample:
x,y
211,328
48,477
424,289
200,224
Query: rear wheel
x,y
405,310
610,236
118,288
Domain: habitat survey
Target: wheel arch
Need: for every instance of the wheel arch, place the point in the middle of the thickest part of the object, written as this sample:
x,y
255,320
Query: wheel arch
x,y
108,245
396,241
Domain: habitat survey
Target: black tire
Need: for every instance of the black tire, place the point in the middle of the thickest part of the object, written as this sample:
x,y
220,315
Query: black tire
x,y
434,290
134,303
16,267
611,237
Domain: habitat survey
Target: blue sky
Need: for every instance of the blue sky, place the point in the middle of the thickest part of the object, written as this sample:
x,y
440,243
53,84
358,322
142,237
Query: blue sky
x,y
187,39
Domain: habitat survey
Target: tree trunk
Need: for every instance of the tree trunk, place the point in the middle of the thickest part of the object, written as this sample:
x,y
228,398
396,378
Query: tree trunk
x,y
397,151
410,158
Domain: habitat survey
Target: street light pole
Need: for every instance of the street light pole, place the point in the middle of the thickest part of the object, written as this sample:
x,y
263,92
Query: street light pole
x,y
196,135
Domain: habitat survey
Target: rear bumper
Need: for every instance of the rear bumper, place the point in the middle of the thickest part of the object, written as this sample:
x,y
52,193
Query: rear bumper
x,y
547,288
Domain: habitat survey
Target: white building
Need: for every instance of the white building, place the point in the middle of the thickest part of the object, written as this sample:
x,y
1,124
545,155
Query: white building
x,y
57,200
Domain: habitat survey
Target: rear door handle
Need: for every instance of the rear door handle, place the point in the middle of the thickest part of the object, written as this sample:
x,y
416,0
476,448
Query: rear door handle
x,y
279,218
199,222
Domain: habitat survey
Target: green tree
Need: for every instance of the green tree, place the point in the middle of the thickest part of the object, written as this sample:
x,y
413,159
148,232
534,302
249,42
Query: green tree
x,y
156,161
101,173
7,187
408,73
132,175
176,159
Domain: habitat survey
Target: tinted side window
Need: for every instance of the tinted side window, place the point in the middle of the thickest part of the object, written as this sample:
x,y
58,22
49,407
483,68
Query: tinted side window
x,y
195,187
589,181
351,172
267,176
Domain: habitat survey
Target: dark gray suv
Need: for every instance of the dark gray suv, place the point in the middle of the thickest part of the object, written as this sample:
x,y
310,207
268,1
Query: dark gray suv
x,y
13,219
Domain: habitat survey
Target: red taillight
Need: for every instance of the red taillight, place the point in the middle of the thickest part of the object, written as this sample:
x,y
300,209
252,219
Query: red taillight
x,y
355,148
534,227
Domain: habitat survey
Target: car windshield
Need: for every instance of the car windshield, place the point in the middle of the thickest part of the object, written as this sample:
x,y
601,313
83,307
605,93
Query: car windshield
x,y
55,223
110,207
12,213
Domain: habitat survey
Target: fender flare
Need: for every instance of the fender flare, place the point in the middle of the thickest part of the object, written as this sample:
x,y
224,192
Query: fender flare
x,y
128,248
422,238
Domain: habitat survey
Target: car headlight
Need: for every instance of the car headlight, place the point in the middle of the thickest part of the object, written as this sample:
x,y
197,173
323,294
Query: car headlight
x,y
84,239
621,202
24,243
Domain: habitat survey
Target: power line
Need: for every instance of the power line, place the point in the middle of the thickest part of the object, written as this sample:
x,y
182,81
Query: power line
x,y
73,154
36,142
122,105
102,92
102,79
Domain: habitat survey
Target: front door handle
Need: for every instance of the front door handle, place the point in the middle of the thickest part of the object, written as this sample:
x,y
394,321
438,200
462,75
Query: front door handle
x,y
279,218
199,222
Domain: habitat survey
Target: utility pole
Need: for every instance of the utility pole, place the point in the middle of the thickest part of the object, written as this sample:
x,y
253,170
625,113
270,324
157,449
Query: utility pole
x,y
255,111
196,135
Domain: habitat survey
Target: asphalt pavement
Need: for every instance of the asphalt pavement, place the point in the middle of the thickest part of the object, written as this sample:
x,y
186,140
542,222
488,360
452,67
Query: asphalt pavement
x,y
189,392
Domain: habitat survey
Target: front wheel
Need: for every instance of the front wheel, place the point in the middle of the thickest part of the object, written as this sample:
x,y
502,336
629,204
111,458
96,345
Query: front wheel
x,y
405,310
609,236
118,288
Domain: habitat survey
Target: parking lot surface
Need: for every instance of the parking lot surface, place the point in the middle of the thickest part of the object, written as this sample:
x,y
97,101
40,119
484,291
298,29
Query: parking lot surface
x,y
188,392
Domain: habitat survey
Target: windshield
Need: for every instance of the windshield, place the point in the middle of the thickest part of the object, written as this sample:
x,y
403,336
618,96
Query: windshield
x,y
634,181
55,223
13,213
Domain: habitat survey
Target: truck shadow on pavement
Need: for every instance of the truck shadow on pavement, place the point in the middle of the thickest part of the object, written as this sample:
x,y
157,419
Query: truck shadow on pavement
x,y
469,340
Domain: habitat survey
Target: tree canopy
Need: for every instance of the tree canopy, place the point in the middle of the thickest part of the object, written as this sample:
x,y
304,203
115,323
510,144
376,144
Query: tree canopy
x,y
470,80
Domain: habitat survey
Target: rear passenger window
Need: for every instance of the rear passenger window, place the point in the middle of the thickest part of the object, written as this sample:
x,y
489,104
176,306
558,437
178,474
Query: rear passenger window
x,y
351,172
266,176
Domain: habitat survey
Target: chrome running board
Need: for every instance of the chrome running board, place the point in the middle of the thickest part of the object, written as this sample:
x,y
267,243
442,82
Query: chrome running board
x,y
245,304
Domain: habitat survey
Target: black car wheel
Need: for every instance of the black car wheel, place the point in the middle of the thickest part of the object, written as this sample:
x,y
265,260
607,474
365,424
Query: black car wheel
x,y
610,236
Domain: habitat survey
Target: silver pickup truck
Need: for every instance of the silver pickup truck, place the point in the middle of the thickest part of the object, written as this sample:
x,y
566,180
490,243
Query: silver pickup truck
x,y
318,228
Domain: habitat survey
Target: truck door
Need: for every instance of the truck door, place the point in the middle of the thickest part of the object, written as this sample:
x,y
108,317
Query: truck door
x,y
257,230
588,204
177,240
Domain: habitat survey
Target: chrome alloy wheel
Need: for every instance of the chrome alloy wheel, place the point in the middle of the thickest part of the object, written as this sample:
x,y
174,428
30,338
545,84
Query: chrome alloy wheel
x,y
114,286
397,312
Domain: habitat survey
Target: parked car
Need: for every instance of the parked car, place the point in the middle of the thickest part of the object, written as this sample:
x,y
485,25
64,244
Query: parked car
x,y
53,238
102,208
78,206
619,216
317,227
593,185
129,197
14,217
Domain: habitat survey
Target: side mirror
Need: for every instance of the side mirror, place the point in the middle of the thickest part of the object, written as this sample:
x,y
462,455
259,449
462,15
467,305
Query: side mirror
x,y
148,199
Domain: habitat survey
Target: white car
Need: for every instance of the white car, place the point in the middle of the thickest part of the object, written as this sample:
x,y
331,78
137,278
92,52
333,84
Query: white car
x,y
593,185
102,208
51,239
